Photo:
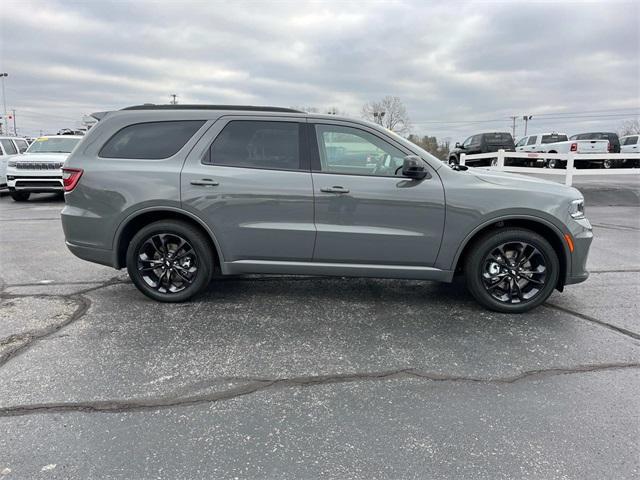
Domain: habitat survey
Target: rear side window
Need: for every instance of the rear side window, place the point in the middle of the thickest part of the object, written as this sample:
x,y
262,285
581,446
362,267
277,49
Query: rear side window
x,y
257,144
9,147
150,141
553,138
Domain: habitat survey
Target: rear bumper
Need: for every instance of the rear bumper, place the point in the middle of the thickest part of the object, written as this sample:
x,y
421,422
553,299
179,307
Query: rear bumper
x,y
92,254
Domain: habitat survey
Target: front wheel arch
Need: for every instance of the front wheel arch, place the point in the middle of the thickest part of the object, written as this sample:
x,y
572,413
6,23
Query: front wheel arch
x,y
547,231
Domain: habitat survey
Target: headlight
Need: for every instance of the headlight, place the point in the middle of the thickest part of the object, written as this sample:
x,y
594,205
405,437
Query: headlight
x,y
12,163
576,209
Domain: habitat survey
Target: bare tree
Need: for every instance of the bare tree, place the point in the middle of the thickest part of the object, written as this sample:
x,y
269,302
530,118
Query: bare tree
x,y
389,112
630,127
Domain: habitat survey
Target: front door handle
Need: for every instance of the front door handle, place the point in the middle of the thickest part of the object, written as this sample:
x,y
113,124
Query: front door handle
x,y
334,189
205,182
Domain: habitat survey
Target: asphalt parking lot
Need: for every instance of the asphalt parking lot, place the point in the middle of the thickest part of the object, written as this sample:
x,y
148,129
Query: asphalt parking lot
x,y
281,377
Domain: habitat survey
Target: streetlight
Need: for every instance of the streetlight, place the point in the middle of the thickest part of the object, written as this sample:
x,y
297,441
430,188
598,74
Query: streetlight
x,y
378,117
526,119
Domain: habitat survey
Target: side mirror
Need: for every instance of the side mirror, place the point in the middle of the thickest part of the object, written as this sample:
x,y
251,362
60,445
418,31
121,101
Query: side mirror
x,y
414,167
458,145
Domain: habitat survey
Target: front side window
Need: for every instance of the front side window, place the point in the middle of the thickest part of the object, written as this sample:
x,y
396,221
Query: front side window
x,y
631,140
532,140
522,142
150,141
9,147
257,144
22,145
353,151
467,142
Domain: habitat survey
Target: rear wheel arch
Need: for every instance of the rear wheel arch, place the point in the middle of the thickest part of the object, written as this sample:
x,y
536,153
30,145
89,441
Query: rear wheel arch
x,y
547,230
130,226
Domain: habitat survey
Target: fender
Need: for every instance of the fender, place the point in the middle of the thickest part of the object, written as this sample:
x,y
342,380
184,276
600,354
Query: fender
x,y
558,232
160,208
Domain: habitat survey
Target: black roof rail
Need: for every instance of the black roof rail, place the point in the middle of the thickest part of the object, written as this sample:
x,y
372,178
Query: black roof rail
x,y
249,108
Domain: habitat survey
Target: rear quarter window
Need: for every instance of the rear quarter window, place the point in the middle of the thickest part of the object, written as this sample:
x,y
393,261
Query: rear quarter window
x,y
151,140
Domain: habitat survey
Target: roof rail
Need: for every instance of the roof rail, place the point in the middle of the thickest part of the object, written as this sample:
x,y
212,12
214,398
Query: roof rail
x,y
250,108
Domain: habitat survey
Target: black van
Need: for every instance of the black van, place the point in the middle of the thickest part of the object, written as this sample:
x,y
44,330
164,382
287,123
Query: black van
x,y
482,143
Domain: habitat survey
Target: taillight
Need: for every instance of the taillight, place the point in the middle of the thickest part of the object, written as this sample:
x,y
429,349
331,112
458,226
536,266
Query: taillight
x,y
574,147
70,177
609,147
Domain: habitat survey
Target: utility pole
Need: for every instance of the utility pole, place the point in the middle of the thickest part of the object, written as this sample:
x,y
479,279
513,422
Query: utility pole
x,y
4,75
526,119
15,130
174,100
513,127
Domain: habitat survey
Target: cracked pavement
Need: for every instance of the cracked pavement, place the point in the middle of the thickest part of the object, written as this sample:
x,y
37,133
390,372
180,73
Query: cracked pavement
x,y
283,377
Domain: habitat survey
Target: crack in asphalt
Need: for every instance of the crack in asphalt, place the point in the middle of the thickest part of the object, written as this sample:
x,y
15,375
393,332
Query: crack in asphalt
x,y
613,226
591,319
621,270
257,384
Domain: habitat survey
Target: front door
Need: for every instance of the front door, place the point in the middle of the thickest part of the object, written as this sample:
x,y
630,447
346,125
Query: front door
x,y
365,211
248,178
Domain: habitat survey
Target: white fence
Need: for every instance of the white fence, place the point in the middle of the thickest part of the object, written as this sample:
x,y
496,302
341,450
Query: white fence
x,y
498,157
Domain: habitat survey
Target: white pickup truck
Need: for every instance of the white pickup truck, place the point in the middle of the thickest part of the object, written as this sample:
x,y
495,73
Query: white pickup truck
x,y
559,143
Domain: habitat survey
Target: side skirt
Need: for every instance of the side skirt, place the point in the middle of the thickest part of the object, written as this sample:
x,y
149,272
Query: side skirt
x,y
336,269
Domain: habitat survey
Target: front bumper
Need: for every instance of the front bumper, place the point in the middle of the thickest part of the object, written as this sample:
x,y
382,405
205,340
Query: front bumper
x,y
42,179
582,238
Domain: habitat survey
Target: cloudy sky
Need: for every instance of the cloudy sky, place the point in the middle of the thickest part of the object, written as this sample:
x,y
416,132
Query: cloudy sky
x,y
460,68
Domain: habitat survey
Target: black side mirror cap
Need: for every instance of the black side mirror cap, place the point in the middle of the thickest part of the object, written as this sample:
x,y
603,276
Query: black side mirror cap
x,y
458,145
414,167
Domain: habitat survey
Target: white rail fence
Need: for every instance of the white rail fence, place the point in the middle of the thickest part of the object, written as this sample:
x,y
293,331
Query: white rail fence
x,y
569,172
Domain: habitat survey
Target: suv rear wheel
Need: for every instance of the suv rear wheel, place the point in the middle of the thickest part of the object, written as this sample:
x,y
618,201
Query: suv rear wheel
x,y
20,196
512,270
170,261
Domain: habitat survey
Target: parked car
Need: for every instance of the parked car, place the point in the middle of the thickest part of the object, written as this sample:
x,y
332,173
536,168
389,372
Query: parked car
x,y
176,192
630,144
482,143
39,169
614,146
554,142
9,146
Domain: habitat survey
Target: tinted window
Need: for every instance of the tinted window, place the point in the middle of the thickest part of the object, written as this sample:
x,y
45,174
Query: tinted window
x,y
22,145
9,147
153,140
475,140
631,140
498,138
257,144
532,140
553,138
354,151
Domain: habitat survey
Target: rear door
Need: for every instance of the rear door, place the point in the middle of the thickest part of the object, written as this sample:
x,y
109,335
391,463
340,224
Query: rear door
x,y
248,178
365,212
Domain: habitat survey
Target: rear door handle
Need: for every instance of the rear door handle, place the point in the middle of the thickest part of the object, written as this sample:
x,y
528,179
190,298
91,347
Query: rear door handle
x,y
205,182
334,189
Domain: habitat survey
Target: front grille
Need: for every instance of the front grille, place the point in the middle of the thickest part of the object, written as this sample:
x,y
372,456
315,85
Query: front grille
x,y
31,184
22,165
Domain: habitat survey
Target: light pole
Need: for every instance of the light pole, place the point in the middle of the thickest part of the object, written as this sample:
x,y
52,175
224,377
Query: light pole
x,y
4,96
526,119
378,117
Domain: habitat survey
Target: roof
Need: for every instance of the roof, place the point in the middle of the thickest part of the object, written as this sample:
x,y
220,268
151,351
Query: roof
x,y
249,108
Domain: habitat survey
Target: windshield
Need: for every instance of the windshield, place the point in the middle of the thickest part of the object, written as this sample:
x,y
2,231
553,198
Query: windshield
x,y
53,145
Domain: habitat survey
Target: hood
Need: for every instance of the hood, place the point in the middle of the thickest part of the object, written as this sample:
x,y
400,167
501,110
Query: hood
x,y
523,182
41,157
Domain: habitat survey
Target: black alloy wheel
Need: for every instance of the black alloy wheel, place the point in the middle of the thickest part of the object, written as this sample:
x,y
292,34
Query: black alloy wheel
x,y
511,270
170,261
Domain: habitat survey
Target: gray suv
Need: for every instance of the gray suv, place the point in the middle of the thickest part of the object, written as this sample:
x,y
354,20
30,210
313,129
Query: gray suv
x,y
177,193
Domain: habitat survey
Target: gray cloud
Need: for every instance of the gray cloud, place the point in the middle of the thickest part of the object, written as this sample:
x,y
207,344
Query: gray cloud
x,y
448,61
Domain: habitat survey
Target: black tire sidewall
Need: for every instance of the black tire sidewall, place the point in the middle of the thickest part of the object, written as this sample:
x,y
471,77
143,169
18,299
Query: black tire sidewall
x,y
199,243
20,196
473,268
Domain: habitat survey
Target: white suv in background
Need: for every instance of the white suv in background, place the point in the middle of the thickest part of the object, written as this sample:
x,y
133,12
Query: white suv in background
x,y
631,144
9,146
559,143
39,169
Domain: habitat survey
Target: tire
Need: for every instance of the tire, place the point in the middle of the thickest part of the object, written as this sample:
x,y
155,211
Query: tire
x,y
536,279
20,196
608,163
453,161
153,253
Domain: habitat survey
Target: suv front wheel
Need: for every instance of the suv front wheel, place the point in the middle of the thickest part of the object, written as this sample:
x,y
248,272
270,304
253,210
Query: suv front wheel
x,y
170,261
20,196
511,270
